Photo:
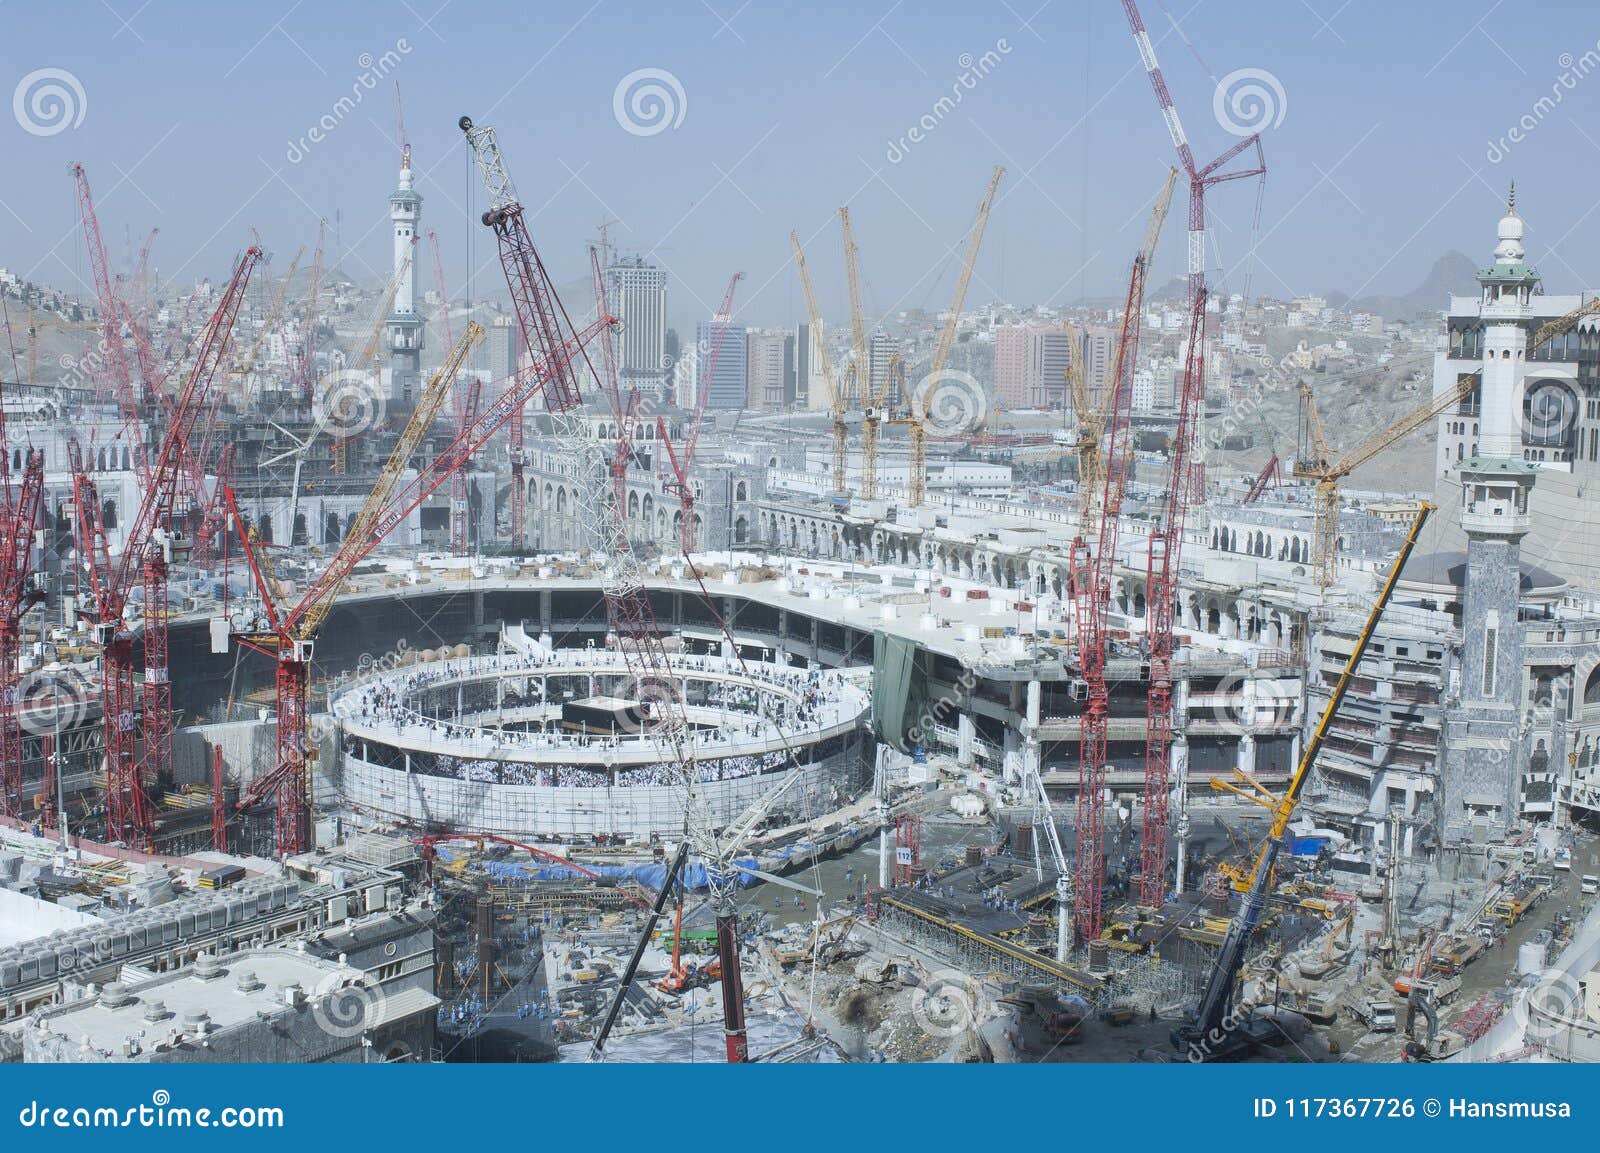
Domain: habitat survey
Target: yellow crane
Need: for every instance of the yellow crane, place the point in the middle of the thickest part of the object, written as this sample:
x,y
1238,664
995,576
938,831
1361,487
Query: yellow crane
x,y
1314,462
835,394
858,378
274,311
1090,412
1562,325
372,355
917,401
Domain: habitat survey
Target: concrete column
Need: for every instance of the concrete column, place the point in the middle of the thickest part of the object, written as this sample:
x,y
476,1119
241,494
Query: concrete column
x,y
964,739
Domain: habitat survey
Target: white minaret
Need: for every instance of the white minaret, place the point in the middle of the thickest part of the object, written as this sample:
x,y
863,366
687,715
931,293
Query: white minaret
x,y
1508,289
404,325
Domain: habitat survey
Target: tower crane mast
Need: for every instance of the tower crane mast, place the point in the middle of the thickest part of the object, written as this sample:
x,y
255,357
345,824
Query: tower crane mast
x,y
918,403
147,553
1091,572
292,630
1186,477
836,397
18,515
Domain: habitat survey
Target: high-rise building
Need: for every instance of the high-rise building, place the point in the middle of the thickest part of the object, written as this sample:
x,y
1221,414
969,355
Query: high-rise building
x,y
636,293
766,382
503,347
881,350
1013,354
1099,347
403,329
809,386
1052,355
729,388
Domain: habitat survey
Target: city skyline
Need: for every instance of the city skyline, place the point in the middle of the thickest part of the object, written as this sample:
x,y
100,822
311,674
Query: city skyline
x,y
897,115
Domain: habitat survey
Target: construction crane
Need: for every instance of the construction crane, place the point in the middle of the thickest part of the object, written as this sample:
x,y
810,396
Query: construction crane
x,y
628,608
292,631
1200,179
1090,574
1216,1030
1091,411
680,461
837,401
917,402
19,513
1564,324
147,552
269,323
1164,549
858,377
545,327
371,355
875,409
121,380
1270,476
303,368
1314,462
1186,480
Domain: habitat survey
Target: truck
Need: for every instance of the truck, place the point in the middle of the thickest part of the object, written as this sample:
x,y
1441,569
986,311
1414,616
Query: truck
x,y
1376,1013
1441,989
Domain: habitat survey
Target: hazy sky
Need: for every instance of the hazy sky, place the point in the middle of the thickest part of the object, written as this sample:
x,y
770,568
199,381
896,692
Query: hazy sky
x,y
1390,144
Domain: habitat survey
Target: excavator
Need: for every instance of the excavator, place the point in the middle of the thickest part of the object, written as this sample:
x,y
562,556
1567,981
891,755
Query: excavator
x,y
1216,1031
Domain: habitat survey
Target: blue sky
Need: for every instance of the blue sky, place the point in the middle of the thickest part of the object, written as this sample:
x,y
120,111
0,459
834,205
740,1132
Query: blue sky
x,y
1379,163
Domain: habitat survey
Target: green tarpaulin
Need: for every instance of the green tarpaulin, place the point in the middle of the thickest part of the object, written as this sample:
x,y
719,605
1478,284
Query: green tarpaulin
x,y
899,688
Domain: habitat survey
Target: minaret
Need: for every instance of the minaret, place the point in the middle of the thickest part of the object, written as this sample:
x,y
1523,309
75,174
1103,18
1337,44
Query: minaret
x,y
1507,310
404,329
1484,758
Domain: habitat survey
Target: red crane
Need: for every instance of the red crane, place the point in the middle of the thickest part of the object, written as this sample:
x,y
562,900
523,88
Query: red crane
x,y
17,595
540,313
679,484
111,320
1185,482
632,620
292,630
148,551
1091,585
1271,474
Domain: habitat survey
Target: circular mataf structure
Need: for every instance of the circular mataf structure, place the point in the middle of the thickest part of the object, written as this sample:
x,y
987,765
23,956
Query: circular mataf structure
x,y
556,744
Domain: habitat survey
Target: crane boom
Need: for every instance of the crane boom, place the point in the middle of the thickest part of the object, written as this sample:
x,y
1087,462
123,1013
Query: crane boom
x,y
836,398
918,403
1212,1034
